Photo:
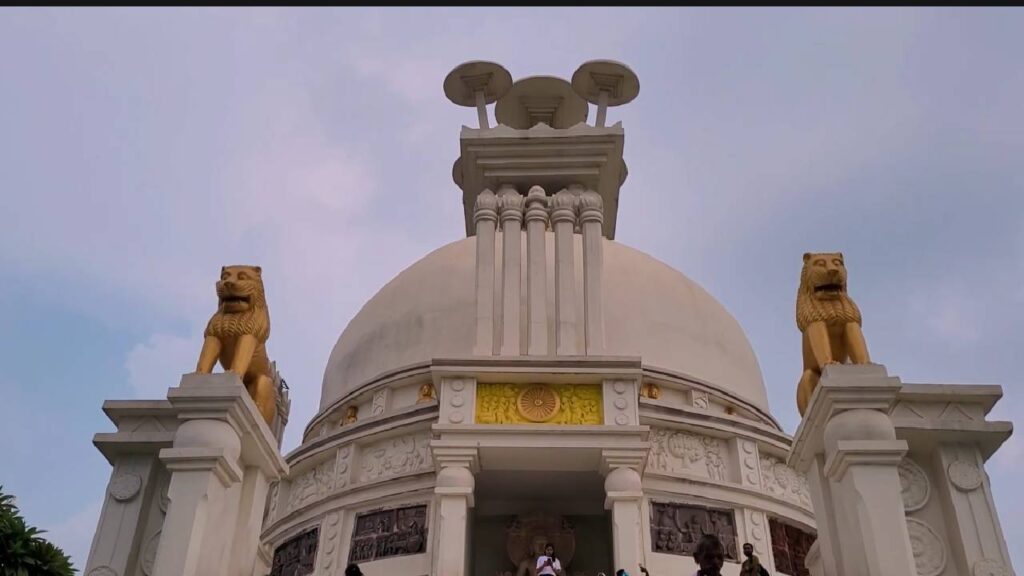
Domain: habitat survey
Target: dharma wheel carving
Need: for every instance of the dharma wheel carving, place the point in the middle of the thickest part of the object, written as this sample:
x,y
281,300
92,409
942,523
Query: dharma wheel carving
x,y
538,403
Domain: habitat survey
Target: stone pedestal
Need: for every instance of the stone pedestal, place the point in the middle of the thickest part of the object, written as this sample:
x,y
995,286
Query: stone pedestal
x,y
215,457
890,464
848,448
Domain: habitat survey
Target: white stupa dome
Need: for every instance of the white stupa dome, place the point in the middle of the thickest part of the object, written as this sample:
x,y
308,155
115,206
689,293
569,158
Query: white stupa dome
x,y
650,309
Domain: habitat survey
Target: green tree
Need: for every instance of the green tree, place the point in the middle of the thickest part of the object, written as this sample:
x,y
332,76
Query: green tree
x,y
22,551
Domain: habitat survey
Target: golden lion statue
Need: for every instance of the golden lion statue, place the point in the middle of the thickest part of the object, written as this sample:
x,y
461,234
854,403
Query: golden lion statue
x,y
829,320
237,335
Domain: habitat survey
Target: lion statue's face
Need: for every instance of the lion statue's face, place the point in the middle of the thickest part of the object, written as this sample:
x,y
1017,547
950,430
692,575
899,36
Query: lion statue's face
x,y
239,288
825,275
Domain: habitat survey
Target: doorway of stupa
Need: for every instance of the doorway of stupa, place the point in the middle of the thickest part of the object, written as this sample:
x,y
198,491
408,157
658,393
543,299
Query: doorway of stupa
x,y
519,511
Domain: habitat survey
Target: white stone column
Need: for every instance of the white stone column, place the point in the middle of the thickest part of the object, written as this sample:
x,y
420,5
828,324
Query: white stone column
x,y
510,203
847,445
144,427
624,496
537,270
454,492
485,217
592,220
221,462
563,219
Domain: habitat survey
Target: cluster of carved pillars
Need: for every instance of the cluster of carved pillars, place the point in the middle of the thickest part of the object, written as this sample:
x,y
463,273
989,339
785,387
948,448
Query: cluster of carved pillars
x,y
570,210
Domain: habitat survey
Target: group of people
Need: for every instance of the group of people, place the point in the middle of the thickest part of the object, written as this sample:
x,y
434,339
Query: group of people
x,y
709,554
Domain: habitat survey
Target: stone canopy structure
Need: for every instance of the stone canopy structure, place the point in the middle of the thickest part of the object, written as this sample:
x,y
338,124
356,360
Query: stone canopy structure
x,y
537,382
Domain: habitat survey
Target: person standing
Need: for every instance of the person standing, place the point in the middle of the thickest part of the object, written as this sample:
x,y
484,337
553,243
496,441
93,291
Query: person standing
x,y
548,564
710,556
752,565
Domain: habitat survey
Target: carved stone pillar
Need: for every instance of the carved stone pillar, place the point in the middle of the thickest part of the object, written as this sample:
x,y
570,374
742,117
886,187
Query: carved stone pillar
x,y
847,446
591,222
624,496
485,218
510,203
536,271
563,218
454,492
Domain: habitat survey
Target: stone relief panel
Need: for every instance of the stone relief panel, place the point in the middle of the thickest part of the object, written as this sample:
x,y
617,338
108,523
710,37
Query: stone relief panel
x,y
539,403
394,456
965,476
380,402
296,557
387,533
928,548
789,548
699,399
678,452
312,485
914,485
782,481
676,528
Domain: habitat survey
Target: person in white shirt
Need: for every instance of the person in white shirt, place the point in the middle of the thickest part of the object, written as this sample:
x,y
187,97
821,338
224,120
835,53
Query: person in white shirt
x,y
548,564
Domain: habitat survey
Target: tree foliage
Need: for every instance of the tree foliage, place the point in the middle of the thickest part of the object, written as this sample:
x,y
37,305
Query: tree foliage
x,y
22,551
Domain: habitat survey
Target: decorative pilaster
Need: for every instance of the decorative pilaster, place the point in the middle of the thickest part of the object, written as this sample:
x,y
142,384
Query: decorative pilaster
x,y
454,493
457,402
591,222
620,403
485,218
563,218
847,446
623,496
510,203
536,271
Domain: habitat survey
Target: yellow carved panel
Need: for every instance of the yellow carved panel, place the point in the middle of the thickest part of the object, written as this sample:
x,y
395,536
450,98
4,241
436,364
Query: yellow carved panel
x,y
539,404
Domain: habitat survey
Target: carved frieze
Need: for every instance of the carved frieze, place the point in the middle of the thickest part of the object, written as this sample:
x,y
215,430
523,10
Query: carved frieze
x,y
675,451
395,456
789,548
965,475
296,557
677,528
549,403
312,485
386,533
782,481
380,401
125,486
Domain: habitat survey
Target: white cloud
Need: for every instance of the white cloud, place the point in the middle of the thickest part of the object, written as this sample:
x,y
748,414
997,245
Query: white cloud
x,y
74,534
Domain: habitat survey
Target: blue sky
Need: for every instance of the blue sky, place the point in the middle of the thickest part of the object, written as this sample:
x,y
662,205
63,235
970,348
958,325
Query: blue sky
x,y
142,149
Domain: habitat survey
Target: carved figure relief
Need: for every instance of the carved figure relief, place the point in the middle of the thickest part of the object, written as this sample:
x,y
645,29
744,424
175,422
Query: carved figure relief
x,y
275,490
929,551
676,528
427,393
782,481
351,415
828,319
395,456
789,548
914,484
650,390
388,533
297,556
700,399
674,451
559,403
